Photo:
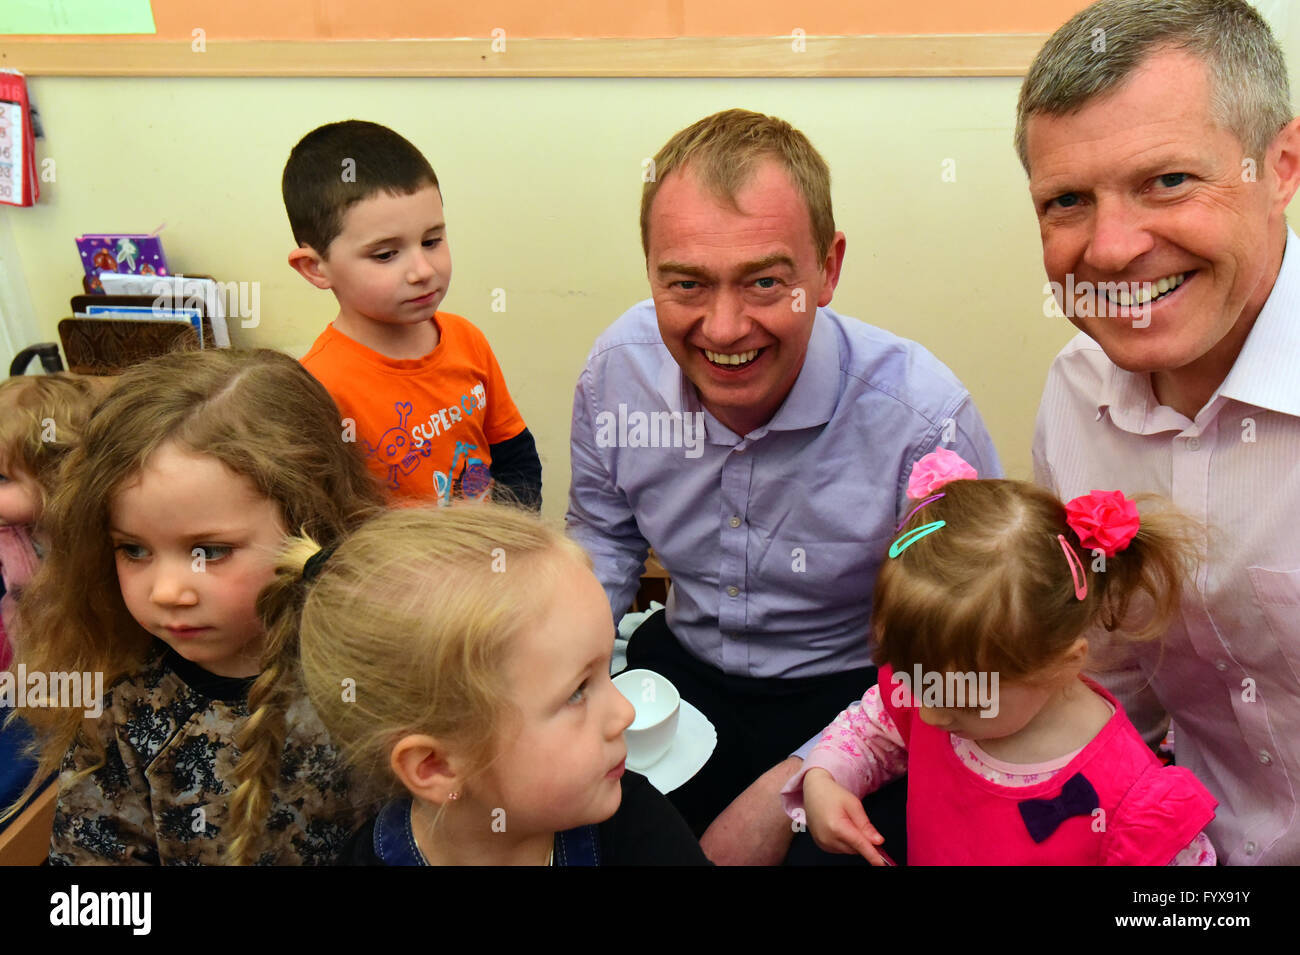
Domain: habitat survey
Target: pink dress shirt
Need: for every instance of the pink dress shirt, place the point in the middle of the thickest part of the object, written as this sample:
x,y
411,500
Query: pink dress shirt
x,y
1229,675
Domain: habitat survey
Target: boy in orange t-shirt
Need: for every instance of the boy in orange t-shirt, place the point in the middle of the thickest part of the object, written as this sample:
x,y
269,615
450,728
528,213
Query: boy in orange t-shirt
x,y
421,388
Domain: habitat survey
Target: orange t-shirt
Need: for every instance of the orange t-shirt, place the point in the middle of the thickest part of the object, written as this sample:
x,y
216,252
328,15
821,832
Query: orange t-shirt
x,y
424,424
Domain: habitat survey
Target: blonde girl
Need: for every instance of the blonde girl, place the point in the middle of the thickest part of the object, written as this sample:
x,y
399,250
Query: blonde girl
x,y
983,612
163,531
460,659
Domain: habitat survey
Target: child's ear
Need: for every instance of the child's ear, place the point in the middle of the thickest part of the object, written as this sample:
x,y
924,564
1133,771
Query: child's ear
x,y
1077,654
423,765
308,263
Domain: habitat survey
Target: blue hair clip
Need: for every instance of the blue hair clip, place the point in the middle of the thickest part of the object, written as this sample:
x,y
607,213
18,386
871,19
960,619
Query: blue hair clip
x,y
912,536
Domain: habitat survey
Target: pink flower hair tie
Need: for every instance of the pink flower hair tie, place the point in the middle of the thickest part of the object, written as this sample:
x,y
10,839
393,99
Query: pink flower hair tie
x,y
936,469
1103,520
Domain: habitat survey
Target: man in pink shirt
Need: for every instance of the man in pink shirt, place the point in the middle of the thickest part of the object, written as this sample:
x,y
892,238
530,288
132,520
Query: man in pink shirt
x,y
1162,153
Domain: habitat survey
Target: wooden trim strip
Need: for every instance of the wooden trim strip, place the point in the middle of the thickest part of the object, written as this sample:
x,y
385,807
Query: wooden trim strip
x,y
1001,54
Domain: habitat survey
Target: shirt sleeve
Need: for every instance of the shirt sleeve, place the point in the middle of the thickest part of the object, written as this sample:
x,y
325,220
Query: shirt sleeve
x,y
517,469
1159,817
862,750
503,419
973,441
102,817
1200,851
961,430
599,516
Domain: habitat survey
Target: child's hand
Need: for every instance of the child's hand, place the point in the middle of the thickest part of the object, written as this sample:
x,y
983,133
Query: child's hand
x,y
836,819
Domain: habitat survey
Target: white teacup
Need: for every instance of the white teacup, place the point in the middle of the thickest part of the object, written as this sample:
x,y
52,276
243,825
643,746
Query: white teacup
x,y
657,704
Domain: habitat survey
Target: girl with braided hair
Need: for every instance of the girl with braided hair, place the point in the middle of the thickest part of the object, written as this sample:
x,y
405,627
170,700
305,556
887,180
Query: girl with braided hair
x,y
459,657
163,532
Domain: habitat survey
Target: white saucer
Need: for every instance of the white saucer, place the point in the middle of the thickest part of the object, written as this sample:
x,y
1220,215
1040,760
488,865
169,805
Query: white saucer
x,y
694,743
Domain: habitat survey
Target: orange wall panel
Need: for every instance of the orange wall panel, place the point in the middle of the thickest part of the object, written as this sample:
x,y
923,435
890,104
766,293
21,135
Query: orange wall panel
x,y
423,19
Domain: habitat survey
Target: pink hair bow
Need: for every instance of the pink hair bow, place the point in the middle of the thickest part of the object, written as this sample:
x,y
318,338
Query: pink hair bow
x,y
936,469
1103,520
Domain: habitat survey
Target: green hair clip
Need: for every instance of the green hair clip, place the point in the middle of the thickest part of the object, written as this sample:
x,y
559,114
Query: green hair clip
x,y
912,536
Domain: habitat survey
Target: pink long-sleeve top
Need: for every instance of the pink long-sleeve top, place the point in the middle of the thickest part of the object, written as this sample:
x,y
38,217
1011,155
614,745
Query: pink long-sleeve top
x,y
865,748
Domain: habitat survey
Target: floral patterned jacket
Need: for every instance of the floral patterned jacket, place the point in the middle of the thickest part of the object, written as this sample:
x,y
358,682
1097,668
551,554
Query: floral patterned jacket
x,y
162,795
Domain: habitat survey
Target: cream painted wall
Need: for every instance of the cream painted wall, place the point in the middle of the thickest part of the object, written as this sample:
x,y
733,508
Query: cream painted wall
x,y
541,180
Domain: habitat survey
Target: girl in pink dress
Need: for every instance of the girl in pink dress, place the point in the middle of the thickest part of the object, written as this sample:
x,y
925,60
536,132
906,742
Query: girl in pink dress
x,y
983,613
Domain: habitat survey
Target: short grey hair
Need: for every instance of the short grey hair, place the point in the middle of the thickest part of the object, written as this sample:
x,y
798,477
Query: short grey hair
x,y
1103,45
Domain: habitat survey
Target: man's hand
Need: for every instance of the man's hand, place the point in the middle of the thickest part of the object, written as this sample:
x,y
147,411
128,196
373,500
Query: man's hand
x,y
836,819
754,829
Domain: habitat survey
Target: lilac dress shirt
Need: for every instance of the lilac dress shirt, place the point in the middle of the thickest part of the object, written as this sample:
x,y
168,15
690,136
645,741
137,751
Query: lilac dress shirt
x,y
773,539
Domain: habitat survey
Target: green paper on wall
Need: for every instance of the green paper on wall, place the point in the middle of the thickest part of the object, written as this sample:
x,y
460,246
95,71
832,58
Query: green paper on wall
x,y
20,17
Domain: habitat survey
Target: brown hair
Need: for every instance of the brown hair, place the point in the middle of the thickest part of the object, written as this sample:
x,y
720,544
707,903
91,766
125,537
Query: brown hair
x,y
991,590
724,151
262,415
1103,45
41,417
406,628
318,191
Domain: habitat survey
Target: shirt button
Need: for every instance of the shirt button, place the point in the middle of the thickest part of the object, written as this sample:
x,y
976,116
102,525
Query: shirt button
x,y
1220,666
733,591
1193,444
1264,758
734,522
1250,848
739,450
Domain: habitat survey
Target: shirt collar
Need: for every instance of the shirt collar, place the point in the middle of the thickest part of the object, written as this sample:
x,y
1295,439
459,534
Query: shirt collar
x,y
231,690
810,403
1263,374
394,841
1132,402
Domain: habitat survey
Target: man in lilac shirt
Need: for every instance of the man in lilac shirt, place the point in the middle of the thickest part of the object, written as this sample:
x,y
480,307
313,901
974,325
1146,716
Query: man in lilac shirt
x,y
761,443
1161,161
